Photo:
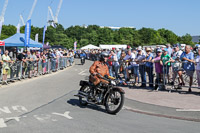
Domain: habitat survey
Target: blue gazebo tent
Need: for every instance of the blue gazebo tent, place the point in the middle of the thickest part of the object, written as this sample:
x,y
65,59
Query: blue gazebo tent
x,y
16,41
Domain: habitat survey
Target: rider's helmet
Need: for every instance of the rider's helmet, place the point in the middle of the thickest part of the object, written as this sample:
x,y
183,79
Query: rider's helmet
x,y
103,55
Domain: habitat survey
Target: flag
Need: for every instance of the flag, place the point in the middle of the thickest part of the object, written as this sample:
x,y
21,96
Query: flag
x,y
36,37
27,33
45,28
1,23
18,28
75,45
47,43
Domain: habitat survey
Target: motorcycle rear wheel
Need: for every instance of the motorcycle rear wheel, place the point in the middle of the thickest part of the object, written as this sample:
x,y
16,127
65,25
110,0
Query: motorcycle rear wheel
x,y
84,89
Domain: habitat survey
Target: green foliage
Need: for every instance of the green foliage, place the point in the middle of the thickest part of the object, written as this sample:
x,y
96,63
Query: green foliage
x,y
94,34
186,39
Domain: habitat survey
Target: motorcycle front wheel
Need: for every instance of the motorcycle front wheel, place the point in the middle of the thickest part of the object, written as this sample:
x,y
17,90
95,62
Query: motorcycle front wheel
x,y
114,102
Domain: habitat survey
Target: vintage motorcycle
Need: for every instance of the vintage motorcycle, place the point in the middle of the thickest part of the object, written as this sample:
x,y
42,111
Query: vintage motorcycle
x,y
109,95
82,60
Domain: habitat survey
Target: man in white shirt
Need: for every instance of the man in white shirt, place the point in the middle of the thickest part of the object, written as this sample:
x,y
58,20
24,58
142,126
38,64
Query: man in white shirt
x,y
176,64
130,57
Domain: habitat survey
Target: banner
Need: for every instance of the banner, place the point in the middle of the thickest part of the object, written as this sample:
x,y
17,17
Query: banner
x,y
45,28
36,37
2,43
1,23
27,33
75,45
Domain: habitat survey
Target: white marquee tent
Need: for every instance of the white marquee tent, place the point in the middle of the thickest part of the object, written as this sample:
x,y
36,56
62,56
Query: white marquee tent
x,y
90,46
112,46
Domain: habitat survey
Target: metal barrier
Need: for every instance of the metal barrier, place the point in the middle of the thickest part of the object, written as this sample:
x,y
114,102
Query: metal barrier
x,y
168,77
20,70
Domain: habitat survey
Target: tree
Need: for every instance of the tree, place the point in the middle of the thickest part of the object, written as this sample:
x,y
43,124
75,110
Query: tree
x,y
149,36
168,36
186,39
7,31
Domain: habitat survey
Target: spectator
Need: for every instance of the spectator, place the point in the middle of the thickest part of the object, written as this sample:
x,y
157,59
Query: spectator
x,y
110,65
165,58
1,63
198,68
35,60
149,66
140,60
21,60
115,64
169,49
53,60
44,58
121,62
176,65
188,64
158,68
6,59
130,57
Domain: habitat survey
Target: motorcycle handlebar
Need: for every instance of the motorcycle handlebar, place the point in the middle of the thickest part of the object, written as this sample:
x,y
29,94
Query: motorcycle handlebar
x,y
103,77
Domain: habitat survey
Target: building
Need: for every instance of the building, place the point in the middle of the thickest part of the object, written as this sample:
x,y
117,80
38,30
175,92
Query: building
x,y
196,39
115,28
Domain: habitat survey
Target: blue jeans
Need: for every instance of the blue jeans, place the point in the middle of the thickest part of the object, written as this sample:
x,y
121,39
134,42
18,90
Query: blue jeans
x,y
110,71
116,67
136,72
53,64
150,75
143,74
127,68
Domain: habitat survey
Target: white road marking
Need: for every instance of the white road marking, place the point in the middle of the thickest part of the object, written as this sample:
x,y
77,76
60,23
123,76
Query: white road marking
x,y
66,115
5,110
188,110
2,123
83,72
19,108
14,118
42,117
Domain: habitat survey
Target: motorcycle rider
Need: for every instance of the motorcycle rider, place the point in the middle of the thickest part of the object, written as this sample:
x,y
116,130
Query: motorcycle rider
x,y
99,67
83,55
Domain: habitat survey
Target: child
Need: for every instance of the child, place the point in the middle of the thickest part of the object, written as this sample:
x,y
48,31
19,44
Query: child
x,y
165,58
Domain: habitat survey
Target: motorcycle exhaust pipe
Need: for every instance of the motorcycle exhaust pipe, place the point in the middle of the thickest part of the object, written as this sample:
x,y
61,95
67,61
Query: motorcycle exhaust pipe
x,y
79,95
82,93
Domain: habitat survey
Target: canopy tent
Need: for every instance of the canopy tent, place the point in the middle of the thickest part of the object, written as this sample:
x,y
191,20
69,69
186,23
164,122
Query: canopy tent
x,y
113,46
90,46
17,41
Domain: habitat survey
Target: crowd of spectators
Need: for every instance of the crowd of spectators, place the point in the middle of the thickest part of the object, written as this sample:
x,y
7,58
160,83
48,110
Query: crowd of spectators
x,y
165,63
17,64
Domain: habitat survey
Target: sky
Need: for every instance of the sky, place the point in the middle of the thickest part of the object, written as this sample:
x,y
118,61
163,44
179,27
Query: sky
x,y
180,16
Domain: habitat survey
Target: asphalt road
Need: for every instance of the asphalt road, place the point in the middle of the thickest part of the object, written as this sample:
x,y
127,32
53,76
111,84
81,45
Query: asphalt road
x,y
47,105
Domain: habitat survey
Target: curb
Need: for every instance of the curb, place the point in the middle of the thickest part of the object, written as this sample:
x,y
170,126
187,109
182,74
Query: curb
x,y
159,111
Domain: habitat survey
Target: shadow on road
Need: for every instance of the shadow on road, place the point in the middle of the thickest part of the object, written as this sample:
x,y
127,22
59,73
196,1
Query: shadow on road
x,y
79,64
75,102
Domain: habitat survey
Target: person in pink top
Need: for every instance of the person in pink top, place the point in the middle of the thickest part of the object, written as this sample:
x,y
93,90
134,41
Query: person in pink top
x,y
158,67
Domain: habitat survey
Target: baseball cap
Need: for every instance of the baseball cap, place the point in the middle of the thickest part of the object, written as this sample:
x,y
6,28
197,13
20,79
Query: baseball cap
x,y
139,49
165,49
175,45
159,50
148,49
